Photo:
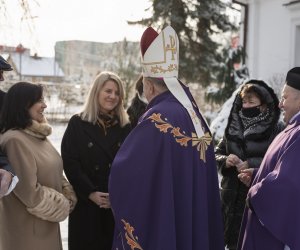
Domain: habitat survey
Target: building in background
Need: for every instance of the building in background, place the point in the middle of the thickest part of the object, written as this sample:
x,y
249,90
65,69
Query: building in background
x,y
270,34
270,31
31,68
81,61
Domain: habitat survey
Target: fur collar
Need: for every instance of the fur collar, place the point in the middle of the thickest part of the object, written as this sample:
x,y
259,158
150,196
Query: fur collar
x,y
39,130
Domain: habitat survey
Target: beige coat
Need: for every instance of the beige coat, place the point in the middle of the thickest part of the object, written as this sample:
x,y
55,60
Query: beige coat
x,y
30,215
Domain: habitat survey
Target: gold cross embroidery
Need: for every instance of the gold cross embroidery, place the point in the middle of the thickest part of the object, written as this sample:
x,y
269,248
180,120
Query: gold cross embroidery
x,y
172,47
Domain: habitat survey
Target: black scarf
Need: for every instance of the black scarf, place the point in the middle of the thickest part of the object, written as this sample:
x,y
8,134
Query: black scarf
x,y
250,123
106,121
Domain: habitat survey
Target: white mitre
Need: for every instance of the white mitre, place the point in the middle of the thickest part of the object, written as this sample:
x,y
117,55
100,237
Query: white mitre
x,y
160,59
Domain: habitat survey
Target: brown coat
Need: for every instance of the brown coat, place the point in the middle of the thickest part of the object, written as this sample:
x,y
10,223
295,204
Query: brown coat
x,y
39,168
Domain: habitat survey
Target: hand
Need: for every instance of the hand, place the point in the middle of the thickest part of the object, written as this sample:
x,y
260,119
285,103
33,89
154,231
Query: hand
x,y
246,176
69,193
242,165
100,199
232,160
105,201
5,180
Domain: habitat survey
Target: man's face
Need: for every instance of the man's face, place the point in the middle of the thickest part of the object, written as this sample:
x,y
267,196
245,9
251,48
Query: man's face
x,y
290,102
1,75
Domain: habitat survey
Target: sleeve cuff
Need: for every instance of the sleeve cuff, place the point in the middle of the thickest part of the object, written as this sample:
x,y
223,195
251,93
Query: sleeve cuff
x,y
13,183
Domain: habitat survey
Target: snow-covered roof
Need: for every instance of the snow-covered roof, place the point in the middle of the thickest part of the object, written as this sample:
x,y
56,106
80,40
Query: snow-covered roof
x,y
36,66
5,56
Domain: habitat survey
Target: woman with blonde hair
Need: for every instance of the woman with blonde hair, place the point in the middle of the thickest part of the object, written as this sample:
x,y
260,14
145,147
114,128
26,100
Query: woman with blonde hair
x,y
89,146
30,215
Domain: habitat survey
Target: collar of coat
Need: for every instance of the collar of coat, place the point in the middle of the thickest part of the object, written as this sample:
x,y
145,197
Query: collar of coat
x,y
39,130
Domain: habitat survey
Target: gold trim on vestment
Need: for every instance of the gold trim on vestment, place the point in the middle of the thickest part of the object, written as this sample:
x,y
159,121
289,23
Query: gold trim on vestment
x,y
201,143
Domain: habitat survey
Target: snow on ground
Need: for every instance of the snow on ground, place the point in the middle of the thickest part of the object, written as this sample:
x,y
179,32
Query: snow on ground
x,y
55,138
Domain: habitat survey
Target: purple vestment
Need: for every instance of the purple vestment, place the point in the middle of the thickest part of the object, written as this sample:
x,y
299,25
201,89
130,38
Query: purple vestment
x,y
163,184
275,196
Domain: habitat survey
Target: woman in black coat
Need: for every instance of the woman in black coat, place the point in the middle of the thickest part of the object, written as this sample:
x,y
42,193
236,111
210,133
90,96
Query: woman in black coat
x,y
252,125
89,146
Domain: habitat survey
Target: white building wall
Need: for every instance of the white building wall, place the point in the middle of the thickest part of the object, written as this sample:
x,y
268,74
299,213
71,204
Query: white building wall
x,y
295,35
297,45
272,38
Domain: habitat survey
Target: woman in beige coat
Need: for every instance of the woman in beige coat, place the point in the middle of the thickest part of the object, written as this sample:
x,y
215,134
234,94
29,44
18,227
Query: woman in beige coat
x,y
30,215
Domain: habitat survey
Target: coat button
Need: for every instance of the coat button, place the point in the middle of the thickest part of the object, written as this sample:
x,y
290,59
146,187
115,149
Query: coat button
x,y
109,165
90,144
97,167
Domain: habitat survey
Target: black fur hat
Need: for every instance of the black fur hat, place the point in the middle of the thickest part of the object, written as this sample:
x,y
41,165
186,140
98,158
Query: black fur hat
x,y
293,78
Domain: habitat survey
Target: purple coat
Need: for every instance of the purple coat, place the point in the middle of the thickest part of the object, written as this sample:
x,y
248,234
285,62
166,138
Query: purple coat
x,y
275,196
163,184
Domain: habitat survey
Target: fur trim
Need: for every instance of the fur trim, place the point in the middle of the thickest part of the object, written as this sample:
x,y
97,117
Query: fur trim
x,y
69,193
54,206
39,130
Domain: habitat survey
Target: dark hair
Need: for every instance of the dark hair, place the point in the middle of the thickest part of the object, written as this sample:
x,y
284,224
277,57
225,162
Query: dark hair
x,y
139,85
252,88
158,81
137,106
17,102
135,110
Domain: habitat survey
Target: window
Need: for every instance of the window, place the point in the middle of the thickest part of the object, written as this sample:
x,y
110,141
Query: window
x,y
297,47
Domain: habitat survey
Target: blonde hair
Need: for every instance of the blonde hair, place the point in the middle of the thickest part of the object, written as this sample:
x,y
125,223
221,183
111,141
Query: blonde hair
x,y
91,108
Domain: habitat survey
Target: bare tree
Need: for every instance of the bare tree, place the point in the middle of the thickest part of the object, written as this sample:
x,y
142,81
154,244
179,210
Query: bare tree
x,y
27,17
26,6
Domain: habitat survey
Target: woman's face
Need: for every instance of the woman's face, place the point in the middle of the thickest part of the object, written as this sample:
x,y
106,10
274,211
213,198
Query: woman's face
x,y
109,97
250,100
36,111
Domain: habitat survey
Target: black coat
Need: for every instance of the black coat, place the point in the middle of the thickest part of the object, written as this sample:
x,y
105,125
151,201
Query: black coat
x,y
3,159
251,147
135,110
87,154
